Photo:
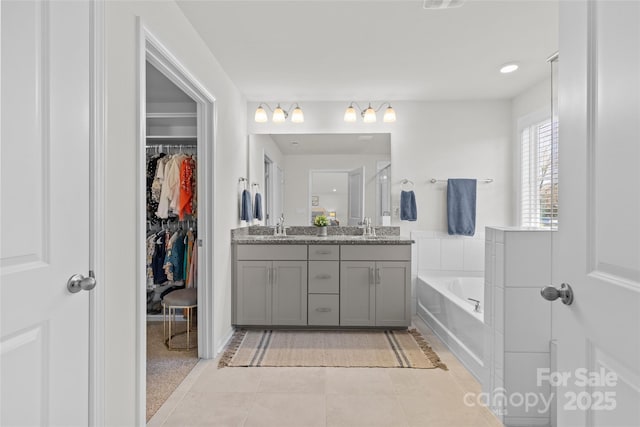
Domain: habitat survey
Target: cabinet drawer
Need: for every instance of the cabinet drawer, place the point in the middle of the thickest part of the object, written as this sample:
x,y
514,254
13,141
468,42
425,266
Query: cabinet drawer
x,y
324,310
272,252
376,252
324,252
324,277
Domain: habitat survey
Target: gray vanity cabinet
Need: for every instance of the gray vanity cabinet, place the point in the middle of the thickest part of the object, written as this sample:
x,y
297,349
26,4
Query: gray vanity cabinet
x,y
271,291
377,291
322,285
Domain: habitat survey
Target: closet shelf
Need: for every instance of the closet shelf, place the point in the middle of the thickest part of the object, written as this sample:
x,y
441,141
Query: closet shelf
x,y
171,115
170,138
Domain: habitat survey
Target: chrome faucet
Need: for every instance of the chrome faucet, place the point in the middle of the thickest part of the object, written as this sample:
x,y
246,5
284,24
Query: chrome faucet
x,y
368,230
280,230
477,305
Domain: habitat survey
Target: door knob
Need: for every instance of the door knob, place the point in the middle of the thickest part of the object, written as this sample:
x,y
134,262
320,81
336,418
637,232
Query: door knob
x,y
565,293
78,282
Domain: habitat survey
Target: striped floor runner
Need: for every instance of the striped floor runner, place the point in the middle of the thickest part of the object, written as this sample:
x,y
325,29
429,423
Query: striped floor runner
x,y
370,348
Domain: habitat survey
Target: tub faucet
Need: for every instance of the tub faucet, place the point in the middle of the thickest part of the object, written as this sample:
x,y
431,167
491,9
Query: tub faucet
x,y
477,305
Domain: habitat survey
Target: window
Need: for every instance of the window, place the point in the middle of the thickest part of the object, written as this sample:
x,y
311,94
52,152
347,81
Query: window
x,y
539,175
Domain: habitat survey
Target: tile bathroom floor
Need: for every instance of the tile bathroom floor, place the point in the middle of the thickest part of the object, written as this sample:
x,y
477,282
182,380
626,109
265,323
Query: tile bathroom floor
x,y
306,397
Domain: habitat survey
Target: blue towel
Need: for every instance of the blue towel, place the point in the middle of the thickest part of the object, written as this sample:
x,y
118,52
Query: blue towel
x,y
408,209
257,207
461,206
245,210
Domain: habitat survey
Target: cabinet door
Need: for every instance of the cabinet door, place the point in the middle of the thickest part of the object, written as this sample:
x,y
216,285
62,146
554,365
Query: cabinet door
x,y
357,293
393,293
253,293
289,293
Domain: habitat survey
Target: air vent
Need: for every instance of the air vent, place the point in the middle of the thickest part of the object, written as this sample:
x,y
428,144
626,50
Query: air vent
x,y
442,4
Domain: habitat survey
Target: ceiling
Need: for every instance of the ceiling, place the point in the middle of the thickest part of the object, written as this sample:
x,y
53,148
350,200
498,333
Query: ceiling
x,y
161,89
323,50
334,143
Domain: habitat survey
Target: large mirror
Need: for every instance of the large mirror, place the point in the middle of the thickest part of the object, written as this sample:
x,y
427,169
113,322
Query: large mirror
x,y
343,176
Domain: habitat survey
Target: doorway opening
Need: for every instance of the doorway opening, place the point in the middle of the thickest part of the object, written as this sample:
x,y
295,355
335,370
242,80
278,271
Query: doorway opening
x,y
176,118
338,194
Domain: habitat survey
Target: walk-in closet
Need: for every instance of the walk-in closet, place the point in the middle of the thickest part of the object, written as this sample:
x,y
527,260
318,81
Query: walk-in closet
x,y
172,216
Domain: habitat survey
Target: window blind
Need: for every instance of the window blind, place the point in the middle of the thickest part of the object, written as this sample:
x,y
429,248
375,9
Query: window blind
x,y
539,175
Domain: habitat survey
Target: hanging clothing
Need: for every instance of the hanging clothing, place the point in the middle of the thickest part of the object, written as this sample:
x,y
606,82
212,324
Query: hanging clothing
x,y
152,203
157,264
189,239
174,259
185,206
193,269
176,182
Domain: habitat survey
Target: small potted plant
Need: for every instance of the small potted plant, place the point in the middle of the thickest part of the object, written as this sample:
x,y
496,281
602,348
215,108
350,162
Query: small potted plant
x,y
321,221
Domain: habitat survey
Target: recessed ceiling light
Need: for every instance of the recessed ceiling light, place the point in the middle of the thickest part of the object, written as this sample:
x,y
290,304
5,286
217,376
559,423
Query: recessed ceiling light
x,y
334,190
508,68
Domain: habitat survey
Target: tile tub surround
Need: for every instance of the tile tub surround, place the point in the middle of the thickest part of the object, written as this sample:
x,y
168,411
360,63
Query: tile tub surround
x,y
518,320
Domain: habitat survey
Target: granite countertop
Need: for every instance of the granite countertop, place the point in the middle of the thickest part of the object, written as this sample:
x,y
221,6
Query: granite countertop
x,y
316,240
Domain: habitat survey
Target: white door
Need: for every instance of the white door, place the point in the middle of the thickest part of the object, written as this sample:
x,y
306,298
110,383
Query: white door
x,y
597,247
44,347
356,196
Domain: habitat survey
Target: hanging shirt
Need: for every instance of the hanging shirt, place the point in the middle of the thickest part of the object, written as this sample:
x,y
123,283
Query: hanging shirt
x,y
187,168
174,259
159,276
170,187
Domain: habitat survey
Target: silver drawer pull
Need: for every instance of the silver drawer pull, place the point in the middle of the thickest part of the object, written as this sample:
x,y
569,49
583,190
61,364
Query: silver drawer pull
x,y
323,309
323,276
323,252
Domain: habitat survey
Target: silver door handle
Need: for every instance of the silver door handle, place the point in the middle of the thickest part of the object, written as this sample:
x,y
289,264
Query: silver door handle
x,y
565,293
371,279
323,252
78,282
378,276
323,276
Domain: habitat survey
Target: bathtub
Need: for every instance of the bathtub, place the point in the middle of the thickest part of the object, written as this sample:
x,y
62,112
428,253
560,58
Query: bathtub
x,y
442,303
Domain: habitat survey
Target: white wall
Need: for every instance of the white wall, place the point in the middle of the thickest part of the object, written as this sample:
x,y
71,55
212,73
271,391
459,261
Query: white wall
x,y
296,181
166,21
463,139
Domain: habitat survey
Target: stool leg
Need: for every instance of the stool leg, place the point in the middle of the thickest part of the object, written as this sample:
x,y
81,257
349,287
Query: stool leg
x,y
188,329
171,313
164,321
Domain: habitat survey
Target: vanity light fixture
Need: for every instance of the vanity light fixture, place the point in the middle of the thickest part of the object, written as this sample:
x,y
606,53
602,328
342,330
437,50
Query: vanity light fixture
x,y
279,114
369,114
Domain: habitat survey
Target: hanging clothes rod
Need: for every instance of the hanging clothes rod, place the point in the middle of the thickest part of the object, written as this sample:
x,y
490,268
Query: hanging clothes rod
x,y
172,146
486,181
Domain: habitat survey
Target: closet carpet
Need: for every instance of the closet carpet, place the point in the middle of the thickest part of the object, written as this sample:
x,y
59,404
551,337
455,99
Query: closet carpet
x,y
165,369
